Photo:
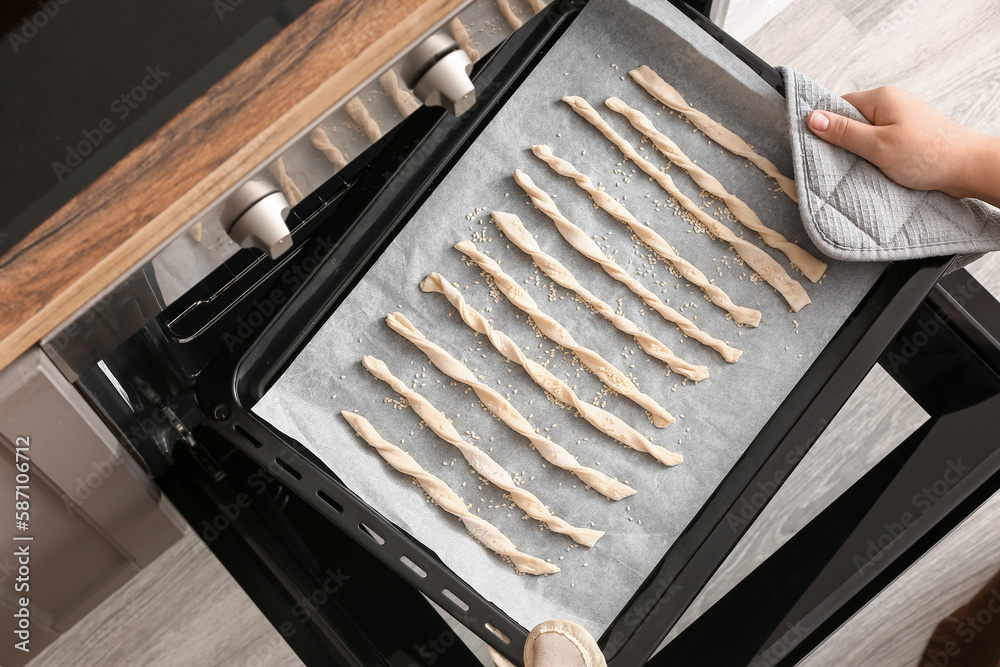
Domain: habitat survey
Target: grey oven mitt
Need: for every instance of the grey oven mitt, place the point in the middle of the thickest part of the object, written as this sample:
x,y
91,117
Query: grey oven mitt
x,y
852,212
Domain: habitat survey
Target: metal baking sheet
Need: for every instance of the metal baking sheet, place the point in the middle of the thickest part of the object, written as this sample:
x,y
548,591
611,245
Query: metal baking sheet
x,y
717,419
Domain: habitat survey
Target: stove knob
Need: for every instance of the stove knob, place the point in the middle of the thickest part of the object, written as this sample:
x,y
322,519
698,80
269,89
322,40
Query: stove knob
x,y
438,72
254,216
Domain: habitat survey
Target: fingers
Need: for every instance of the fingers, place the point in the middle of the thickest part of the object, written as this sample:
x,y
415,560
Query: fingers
x,y
859,138
866,102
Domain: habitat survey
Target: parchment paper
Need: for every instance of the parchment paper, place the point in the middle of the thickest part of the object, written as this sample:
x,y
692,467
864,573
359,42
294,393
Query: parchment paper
x,y
717,419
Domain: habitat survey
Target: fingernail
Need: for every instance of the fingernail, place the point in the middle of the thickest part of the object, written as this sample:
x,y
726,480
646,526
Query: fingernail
x,y
819,121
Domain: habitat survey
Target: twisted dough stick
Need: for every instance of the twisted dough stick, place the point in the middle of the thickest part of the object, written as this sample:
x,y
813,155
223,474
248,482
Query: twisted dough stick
x,y
356,109
756,258
485,532
285,182
509,14
478,459
586,246
647,235
322,143
403,100
602,420
461,35
502,408
613,378
669,96
811,267
537,5
514,230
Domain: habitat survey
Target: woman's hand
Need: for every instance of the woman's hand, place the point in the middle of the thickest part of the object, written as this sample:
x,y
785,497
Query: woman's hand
x,y
915,145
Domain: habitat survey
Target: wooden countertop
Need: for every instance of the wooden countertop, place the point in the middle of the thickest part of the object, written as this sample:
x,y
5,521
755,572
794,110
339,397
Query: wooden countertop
x,y
219,139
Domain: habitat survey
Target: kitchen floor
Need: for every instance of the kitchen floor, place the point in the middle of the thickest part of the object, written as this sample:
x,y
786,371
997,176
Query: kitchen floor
x,y
186,610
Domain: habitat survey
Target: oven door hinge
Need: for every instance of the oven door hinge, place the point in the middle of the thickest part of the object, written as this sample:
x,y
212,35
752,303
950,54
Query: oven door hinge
x,y
202,455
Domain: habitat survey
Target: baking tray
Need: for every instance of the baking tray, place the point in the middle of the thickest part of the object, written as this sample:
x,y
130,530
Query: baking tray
x,y
347,250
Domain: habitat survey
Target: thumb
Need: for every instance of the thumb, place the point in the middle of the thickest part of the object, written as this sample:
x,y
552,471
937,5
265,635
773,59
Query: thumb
x,y
859,138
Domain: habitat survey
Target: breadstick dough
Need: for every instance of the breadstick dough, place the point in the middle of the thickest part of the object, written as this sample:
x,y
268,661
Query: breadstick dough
x,y
757,259
811,267
647,235
601,419
509,14
668,95
514,230
589,249
357,111
613,378
321,142
482,530
480,461
285,182
403,100
503,409
461,35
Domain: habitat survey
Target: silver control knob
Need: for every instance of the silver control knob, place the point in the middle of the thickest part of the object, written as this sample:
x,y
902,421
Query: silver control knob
x,y
254,216
438,72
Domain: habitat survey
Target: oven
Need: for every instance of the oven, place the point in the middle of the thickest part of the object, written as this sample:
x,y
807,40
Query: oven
x,y
178,372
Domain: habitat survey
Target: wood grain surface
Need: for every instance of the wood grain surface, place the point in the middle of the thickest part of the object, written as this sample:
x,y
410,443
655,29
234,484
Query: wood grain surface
x,y
892,630
220,138
883,414
159,618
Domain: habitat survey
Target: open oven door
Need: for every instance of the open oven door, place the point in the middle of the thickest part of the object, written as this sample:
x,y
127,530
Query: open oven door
x,y
313,556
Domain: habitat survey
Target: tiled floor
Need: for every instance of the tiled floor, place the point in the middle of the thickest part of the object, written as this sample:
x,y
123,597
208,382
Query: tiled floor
x,y
186,610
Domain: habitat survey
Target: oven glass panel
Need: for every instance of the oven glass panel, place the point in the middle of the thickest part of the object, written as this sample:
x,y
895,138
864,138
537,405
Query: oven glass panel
x,y
84,82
